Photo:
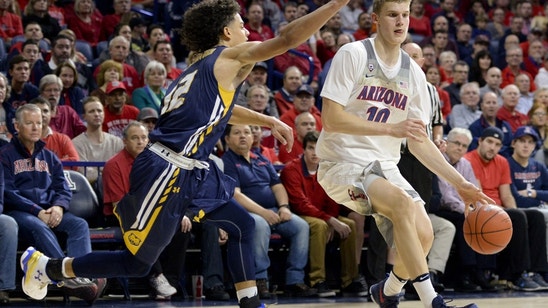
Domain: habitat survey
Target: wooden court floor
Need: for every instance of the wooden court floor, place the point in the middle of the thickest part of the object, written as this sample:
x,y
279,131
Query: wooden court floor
x,y
483,300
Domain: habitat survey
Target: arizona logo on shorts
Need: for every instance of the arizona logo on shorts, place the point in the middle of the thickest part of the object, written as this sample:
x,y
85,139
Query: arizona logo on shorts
x,y
357,194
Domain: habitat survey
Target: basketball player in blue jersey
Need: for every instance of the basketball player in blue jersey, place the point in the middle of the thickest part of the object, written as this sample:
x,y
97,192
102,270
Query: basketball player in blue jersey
x,y
374,96
174,172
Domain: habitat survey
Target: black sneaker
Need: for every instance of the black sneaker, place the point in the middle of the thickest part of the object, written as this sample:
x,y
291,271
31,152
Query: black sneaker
x,y
82,288
262,288
379,298
323,290
251,302
355,289
217,293
300,290
438,302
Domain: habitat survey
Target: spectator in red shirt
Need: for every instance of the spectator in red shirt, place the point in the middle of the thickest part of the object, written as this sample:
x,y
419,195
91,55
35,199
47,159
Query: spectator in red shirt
x,y
163,53
508,112
366,27
117,113
257,30
292,80
514,59
110,21
86,21
304,123
303,102
10,24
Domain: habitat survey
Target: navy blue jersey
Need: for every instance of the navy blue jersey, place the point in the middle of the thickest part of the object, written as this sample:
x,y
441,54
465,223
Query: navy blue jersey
x,y
195,110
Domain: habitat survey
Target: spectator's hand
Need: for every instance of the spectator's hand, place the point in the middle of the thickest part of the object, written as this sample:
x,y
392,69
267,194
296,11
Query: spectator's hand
x,y
340,227
223,237
410,128
186,224
284,213
55,217
330,234
441,144
45,217
271,217
470,194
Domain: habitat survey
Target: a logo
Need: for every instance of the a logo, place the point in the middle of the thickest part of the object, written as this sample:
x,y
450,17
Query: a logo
x,y
355,195
371,67
369,76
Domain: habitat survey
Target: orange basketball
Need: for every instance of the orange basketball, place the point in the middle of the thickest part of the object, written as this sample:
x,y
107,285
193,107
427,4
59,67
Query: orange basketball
x,y
487,229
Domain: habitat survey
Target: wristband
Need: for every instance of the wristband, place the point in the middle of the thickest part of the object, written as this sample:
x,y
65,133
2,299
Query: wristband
x,y
285,205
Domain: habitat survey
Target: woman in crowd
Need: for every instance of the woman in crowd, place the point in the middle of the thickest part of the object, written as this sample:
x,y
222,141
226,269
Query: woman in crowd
x,y
72,95
152,94
109,70
433,76
37,10
85,22
480,64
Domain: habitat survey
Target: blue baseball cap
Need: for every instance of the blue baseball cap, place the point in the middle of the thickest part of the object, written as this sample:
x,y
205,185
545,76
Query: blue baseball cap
x,y
526,130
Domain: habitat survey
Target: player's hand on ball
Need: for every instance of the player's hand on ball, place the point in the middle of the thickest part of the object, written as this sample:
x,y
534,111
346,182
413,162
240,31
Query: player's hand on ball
x,y
410,128
471,194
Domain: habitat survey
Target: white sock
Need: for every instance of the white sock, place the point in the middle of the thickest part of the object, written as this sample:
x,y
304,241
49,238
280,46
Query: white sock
x,y
247,292
393,285
424,289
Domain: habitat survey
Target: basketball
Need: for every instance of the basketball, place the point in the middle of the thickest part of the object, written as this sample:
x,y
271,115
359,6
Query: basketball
x,y
487,229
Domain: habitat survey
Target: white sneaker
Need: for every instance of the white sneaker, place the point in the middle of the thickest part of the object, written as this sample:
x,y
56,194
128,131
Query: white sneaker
x,y
35,280
162,286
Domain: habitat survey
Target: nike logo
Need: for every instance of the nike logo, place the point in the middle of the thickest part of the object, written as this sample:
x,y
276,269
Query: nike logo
x,y
369,76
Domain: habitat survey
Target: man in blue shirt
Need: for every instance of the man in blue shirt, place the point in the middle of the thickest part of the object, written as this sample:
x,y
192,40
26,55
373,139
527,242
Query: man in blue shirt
x,y
260,191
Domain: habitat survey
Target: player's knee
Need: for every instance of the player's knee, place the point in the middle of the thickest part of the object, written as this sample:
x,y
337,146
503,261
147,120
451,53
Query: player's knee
x,y
403,207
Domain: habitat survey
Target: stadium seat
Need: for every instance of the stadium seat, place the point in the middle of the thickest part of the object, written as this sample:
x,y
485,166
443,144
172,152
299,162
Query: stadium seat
x,y
85,48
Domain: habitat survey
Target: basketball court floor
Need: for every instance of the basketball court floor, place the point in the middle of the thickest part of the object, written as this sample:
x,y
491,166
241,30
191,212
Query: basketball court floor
x,y
507,299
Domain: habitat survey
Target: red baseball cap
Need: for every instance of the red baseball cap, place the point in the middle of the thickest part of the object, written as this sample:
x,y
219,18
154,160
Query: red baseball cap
x,y
115,85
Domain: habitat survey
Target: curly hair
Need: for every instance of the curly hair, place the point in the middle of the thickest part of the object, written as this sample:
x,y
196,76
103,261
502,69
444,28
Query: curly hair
x,y
105,66
204,22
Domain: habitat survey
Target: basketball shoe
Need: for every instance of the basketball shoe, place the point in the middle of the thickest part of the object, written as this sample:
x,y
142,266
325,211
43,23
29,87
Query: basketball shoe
x,y
378,296
251,302
35,280
438,302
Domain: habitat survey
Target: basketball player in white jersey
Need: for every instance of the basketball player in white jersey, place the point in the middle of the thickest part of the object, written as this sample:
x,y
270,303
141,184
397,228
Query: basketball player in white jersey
x,y
374,96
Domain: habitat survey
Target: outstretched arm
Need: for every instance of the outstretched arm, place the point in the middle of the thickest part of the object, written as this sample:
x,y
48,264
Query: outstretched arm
x,y
429,155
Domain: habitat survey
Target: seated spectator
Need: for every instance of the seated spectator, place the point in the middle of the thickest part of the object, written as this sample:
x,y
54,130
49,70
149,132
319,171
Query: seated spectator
x,y
326,46
118,114
537,121
85,21
533,60
149,117
138,28
460,76
5,135
94,144
134,57
155,33
529,230
118,48
508,112
493,80
22,91
465,113
258,30
366,27
350,14
116,185
514,59
37,196
489,108
71,95
529,177
30,50
121,7
292,80
308,200
258,148
525,101
260,191
60,144
152,94
433,76
304,123
62,50
8,250
163,53
257,100
108,71
419,23
63,118
480,62
447,60
11,22
33,31
258,76
472,265
496,25
37,11
302,102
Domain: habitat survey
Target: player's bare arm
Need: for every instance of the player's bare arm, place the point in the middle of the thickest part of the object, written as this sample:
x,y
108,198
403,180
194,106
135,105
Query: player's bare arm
x,y
336,119
429,155
281,131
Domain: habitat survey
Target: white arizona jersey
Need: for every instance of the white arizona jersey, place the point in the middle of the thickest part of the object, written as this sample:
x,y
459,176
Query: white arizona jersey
x,y
366,87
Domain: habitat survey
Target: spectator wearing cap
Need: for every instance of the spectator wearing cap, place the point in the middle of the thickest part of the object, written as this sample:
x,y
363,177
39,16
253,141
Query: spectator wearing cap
x,y
85,22
117,113
152,94
529,177
303,102
94,144
148,116
493,173
258,76
508,112
110,21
